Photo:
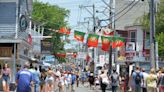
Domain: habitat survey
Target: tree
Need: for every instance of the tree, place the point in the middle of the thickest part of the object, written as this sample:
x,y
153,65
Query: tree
x,y
159,19
160,39
52,17
159,25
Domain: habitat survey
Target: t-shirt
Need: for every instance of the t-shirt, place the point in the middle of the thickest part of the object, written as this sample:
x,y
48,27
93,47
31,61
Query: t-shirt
x,y
143,83
24,78
35,75
73,78
152,80
115,79
135,75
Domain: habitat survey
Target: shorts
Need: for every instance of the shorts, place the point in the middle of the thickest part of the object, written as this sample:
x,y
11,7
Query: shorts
x,y
50,80
6,79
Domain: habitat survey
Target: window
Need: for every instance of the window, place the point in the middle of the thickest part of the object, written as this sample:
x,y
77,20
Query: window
x,y
132,36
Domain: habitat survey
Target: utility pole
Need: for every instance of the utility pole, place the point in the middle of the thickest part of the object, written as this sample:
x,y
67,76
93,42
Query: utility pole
x,y
111,26
94,29
152,34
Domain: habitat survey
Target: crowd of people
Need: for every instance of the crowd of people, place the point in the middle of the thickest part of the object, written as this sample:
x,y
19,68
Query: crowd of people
x,y
33,79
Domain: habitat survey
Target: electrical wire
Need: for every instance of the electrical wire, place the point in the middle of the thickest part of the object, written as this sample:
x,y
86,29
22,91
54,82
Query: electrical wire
x,y
127,10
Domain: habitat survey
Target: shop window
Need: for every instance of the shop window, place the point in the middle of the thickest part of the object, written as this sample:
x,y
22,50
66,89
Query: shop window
x,y
133,36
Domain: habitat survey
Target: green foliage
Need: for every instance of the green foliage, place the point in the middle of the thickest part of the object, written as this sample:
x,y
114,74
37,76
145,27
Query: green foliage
x,y
159,25
160,39
52,17
159,19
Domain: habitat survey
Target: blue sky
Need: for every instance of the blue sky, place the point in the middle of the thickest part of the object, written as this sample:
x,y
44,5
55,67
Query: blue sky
x,y
76,14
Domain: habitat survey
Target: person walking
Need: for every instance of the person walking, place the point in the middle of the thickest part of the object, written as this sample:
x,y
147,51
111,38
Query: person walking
x,y
6,75
91,80
24,79
114,80
43,80
36,77
103,81
151,81
37,80
161,81
73,80
131,82
138,78
143,84
50,80
68,81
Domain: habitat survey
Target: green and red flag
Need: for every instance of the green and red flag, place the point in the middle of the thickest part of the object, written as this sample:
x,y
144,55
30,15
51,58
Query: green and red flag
x,y
121,42
93,40
79,36
105,43
108,32
117,42
64,30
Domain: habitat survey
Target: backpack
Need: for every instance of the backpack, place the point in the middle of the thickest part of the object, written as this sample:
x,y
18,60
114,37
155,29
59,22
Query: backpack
x,y
138,78
114,78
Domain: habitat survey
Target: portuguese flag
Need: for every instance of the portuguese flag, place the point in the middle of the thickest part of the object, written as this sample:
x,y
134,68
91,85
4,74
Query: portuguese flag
x,y
64,30
105,43
117,42
108,32
93,40
79,36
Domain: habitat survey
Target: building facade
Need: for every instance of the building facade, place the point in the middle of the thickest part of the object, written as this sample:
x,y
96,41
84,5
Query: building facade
x,y
14,33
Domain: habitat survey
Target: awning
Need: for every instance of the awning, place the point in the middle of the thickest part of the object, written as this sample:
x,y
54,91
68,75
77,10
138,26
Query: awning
x,y
10,41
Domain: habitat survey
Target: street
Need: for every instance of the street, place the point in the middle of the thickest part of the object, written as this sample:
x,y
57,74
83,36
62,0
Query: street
x,y
87,89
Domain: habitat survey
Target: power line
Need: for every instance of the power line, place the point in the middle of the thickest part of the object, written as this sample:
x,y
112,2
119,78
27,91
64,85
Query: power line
x,y
127,10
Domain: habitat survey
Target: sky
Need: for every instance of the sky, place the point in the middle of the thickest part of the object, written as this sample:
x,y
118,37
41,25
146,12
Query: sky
x,y
76,14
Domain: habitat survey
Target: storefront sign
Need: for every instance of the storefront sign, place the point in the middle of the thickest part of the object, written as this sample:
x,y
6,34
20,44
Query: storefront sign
x,y
46,47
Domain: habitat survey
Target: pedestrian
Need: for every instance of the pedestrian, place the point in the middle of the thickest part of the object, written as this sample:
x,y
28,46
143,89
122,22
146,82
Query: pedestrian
x,y
36,77
43,80
77,78
61,83
6,75
151,81
91,80
103,81
122,79
143,84
37,80
73,80
138,77
159,73
24,79
49,80
161,81
131,83
114,80
68,81
83,78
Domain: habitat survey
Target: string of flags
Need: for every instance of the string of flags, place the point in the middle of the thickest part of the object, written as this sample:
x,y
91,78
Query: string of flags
x,y
107,38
